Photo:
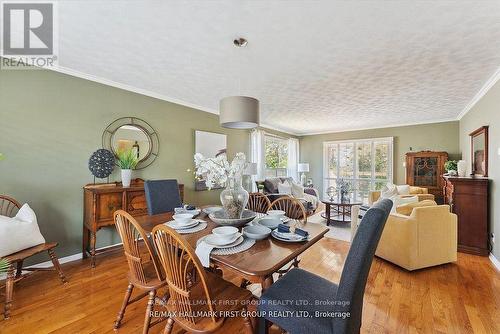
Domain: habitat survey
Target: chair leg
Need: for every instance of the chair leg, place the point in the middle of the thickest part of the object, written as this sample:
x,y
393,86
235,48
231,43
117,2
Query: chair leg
x,y
9,288
263,326
169,326
247,322
56,264
19,270
149,309
119,318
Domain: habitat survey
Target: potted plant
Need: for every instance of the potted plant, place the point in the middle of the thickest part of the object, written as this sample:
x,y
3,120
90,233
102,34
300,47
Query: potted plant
x,y
451,167
4,265
127,161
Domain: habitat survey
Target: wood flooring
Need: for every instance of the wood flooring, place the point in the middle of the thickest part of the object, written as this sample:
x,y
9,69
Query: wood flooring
x,y
456,298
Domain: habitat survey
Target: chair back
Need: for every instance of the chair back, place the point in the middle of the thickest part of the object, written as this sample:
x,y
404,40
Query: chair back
x,y
357,266
133,236
186,278
258,202
162,196
8,206
293,208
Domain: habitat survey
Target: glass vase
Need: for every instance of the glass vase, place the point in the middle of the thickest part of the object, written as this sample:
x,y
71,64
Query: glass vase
x,y
234,198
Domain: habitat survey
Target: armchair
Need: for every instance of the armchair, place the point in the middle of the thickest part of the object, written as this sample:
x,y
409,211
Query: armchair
x,y
421,193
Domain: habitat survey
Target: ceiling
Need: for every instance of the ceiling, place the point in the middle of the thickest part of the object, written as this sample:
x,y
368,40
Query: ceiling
x,y
316,66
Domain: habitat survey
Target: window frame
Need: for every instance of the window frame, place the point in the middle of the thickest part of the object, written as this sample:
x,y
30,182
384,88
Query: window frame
x,y
276,172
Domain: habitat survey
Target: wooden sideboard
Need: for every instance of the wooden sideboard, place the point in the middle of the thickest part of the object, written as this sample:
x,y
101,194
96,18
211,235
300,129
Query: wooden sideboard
x,y
100,201
424,169
468,198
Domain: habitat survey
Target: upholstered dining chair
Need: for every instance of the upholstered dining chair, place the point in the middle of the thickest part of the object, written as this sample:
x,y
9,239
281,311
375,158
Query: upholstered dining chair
x,y
9,207
313,293
258,202
194,294
162,196
144,270
293,208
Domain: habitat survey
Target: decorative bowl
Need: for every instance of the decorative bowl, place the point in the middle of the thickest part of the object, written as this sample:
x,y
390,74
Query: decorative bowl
x,y
225,233
256,232
271,222
276,213
183,218
220,218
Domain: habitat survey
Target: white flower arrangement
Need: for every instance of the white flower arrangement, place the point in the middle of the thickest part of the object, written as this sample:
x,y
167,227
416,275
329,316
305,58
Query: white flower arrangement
x,y
216,171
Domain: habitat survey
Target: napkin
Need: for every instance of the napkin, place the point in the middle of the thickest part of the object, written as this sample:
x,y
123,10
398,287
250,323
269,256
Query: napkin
x,y
283,228
301,232
203,251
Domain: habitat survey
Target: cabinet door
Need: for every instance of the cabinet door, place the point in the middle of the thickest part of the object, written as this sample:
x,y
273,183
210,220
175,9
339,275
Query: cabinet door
x,y
107,204
426,172
136,203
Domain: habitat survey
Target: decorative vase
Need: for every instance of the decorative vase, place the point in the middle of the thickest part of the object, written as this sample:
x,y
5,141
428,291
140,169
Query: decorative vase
x,y
344,197
126,177
462,168
234,198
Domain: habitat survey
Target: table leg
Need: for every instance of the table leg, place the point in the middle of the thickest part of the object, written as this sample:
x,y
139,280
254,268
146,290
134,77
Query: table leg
x,y
328,210
92,248
85,242
9,288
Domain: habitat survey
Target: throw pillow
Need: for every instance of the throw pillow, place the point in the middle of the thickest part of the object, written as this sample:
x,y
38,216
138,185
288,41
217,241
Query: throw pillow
x,y
271,185
284,188
20,232
403,190
297,190
398,200
388,191
407,209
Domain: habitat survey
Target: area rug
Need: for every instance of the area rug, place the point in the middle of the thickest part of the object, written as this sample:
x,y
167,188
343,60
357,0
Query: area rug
x,y
337,231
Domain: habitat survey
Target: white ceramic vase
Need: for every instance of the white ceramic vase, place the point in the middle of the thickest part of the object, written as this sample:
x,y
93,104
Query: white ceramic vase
x,y
126,177
462,168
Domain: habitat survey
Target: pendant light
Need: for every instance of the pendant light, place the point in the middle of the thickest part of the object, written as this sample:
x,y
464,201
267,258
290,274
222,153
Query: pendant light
x,y
239,112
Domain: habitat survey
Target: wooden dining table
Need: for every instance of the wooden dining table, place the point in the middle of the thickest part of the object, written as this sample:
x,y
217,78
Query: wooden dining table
x,y
256,264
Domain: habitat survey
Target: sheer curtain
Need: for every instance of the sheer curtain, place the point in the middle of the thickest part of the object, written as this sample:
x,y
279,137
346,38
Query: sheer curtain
x,y
293,158
257,153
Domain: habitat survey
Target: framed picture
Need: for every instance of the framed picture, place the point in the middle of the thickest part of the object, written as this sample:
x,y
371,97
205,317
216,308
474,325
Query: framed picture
x,y
210,145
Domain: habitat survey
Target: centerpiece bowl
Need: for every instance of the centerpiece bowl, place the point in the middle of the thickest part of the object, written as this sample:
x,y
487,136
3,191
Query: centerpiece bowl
x,y
220,217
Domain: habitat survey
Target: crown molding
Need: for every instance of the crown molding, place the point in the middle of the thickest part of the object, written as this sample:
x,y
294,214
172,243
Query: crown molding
x,y
482,92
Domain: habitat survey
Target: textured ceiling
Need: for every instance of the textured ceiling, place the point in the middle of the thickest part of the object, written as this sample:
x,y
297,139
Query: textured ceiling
x,y
316,66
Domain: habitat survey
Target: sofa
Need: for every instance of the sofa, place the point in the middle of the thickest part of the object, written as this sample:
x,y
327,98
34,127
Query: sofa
x,y
419,235
421,193
310,197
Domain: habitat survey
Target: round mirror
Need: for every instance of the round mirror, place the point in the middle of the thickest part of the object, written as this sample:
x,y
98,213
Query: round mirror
x,y
134,134
131,137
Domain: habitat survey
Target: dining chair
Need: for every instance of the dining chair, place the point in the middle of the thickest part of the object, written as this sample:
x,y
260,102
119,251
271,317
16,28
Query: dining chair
x,y
197,302
335,308
144,270
162,196
258,202
9,207
293,208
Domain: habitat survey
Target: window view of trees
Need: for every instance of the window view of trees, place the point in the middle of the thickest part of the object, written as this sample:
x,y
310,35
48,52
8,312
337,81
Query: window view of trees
x,y
365,163
276,153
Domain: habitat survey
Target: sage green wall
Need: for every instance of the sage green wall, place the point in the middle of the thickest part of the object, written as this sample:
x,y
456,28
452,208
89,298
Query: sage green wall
x,y
50,125
435,137
486,112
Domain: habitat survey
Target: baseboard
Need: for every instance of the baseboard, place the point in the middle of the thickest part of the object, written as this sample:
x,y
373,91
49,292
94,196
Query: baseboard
x,y
495,261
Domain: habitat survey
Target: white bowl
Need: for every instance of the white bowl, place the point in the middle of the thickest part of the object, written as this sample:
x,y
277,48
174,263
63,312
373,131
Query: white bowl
x,y
256,232
276,213
271,222
183,218
225,233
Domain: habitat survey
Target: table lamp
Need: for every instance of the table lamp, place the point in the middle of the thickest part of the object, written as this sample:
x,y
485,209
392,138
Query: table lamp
x,y
251,169
303,168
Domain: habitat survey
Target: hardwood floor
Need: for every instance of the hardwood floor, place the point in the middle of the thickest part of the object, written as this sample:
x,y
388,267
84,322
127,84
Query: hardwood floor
x,y
455,298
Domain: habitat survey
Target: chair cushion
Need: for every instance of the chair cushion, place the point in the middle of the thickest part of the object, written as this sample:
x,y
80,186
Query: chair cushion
x,y
299,291
406,209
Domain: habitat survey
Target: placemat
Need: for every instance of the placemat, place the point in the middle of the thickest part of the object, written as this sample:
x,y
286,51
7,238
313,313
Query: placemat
x,y
246,244
200,227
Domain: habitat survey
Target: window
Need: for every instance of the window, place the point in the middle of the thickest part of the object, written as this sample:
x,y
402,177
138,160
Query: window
x,y
276,156
366,164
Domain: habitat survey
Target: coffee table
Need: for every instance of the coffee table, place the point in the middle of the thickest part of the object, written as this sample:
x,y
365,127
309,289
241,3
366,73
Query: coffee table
x,y
338,211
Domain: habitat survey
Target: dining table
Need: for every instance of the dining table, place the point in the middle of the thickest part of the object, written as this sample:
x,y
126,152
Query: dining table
x,y
256,264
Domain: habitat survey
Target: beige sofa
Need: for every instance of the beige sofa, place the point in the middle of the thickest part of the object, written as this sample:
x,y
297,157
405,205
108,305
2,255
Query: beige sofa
x,y
421,193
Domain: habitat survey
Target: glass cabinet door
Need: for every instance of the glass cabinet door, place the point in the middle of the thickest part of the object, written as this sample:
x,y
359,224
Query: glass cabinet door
x,y
425,171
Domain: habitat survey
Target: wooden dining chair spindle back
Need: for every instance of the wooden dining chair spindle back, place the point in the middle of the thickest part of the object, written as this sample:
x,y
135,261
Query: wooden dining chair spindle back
x,y
293,208
140,275
258,202
8,206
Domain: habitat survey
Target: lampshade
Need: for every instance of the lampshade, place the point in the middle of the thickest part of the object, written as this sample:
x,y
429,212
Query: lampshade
x,y
239,112
251,169
303,168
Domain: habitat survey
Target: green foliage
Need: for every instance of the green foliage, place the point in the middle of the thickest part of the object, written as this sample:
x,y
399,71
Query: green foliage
x,y
450,165
276,153
127,159
2,156
4,265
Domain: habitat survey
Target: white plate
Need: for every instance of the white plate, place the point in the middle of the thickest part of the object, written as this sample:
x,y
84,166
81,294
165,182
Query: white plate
x,y
236,242
284,237
211,209
176,226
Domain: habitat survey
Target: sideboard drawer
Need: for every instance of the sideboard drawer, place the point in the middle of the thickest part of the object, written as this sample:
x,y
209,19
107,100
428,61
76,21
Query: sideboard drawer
x,y
136,203
107,204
